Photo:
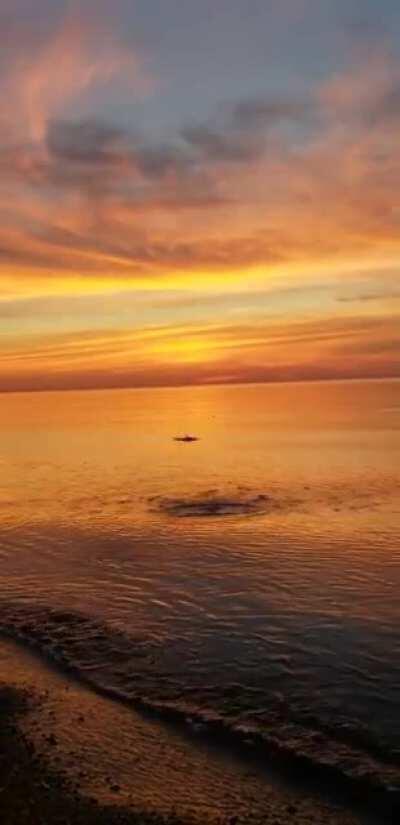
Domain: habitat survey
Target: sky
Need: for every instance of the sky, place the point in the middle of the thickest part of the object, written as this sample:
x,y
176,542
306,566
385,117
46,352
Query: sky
x,y
198,192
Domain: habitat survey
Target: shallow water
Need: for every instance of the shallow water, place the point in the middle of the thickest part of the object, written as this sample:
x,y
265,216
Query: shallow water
x,y
251,576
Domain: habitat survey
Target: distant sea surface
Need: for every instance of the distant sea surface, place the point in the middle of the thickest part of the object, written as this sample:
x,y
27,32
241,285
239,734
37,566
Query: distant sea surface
x,y
248,581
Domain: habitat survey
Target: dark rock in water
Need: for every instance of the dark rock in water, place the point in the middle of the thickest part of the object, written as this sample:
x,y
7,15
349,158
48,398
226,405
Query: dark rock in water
x,y
207,504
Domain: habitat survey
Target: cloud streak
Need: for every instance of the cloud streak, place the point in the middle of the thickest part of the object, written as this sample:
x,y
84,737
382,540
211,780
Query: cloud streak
x,y
264,350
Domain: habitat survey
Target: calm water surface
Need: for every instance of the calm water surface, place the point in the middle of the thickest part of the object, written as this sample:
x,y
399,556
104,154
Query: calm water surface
x,y
252,576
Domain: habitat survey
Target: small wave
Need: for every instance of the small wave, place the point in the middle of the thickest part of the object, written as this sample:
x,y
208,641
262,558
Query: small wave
x,y
118,665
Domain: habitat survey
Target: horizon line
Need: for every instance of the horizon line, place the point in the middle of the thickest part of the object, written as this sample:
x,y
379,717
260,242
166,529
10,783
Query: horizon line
x,y
326,380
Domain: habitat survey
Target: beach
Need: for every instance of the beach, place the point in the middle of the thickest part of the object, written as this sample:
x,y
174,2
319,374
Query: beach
x,y
55,768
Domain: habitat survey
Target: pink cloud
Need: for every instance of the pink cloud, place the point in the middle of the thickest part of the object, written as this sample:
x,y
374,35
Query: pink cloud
x,y
78,56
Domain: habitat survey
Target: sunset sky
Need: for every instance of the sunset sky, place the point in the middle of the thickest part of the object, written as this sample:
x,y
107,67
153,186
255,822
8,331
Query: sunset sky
x,y
198,191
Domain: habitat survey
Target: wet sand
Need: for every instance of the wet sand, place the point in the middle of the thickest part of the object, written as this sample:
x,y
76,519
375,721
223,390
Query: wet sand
x,y
32,790
71,756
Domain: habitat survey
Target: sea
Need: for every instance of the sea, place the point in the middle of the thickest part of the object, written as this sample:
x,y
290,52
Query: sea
x,y
245,583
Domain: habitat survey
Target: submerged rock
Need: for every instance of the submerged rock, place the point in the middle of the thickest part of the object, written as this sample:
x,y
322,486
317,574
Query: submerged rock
x,y
212,504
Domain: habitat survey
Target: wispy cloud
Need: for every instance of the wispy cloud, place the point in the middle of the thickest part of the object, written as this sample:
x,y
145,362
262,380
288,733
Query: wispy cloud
x,y
45,75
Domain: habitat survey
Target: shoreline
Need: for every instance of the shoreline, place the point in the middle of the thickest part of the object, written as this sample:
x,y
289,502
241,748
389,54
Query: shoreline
x,y
49,775
315,768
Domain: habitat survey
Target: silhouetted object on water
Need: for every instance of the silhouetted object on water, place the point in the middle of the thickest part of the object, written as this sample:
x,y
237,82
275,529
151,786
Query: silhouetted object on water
x,y
187,439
